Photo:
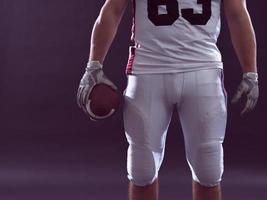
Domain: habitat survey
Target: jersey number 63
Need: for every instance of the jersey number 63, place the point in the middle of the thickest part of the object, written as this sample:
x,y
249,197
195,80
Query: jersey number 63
x,y
172,14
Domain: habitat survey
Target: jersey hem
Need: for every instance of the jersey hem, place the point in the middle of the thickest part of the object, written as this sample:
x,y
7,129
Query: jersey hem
x,y
135,71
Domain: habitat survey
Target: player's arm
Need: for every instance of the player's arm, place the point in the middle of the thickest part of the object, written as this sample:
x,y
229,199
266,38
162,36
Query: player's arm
x,y
242,33
105,28
244,42
103,33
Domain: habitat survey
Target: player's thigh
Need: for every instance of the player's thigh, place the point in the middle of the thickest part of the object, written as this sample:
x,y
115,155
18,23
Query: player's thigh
x,y
203,110
147,112
203,119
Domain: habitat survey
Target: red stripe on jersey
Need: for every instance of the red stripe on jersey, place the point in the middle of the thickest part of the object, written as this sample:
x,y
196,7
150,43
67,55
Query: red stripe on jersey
x,y
133,20
129,67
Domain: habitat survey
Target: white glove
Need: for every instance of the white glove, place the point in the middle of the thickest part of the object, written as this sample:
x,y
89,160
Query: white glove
x,y
249,87
93,75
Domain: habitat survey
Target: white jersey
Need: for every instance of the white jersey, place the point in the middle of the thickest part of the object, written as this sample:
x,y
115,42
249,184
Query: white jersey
x,y
174,36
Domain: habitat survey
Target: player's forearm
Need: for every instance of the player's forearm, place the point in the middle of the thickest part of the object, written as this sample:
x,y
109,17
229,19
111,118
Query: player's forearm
x,y
103,33
243,39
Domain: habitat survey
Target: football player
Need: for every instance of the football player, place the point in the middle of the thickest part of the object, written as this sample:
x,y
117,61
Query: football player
x,y
175,62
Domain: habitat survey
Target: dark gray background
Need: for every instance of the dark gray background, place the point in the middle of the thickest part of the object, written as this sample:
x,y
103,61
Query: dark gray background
x,y
48,147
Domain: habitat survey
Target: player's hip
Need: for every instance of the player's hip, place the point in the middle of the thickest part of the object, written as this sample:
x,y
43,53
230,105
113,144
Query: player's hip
x,y
175,87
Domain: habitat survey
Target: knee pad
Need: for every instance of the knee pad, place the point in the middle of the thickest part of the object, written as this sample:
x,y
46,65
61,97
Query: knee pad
x,y
142,165
207,164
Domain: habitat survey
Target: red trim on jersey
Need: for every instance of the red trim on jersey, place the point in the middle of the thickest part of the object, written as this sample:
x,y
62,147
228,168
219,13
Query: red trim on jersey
x,y
133,20
129,67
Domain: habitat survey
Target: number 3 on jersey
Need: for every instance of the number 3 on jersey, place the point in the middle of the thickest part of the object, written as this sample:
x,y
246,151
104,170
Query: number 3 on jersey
x,y
172,14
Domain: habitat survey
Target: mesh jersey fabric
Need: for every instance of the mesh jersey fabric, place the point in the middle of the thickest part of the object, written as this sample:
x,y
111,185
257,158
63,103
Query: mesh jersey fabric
x,y
174,36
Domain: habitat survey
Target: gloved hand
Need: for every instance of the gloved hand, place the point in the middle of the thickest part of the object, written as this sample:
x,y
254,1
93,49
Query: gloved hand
x,y
93,75
249,87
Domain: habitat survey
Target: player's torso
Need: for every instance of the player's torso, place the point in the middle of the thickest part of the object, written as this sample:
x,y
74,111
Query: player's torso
x,y
175,32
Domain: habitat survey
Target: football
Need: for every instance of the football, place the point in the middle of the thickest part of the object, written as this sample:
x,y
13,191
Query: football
x,y
103,100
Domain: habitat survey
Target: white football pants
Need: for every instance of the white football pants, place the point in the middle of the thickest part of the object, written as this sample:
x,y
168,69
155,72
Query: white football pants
x,y
200,99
